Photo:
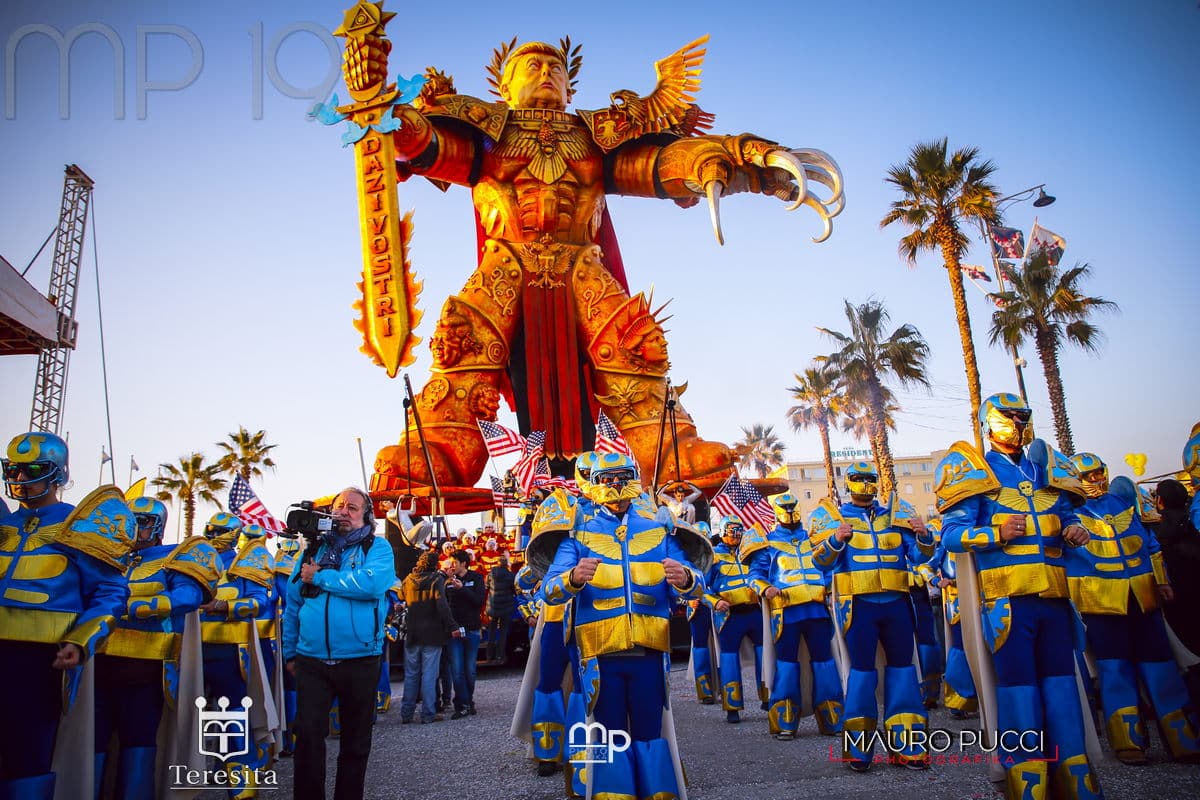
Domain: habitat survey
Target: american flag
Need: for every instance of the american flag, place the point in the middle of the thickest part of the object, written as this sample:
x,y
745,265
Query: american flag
x,y
249,509
498,498
529,464
500,441
552,482
609,439
740,498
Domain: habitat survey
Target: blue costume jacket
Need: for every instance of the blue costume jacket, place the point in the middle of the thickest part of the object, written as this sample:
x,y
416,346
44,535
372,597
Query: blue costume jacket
x,y
53,592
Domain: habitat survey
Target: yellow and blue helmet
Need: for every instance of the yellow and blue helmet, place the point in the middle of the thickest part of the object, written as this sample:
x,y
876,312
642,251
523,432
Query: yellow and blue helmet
x,y
614,477
862,479
1093,473
286,546
250,533
704,530
787,509
1006,419
222,530
150,515
583,469
1191,454
731,529
41,457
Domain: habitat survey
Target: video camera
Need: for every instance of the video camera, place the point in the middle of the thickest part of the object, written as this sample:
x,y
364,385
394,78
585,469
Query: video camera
x,y
302,520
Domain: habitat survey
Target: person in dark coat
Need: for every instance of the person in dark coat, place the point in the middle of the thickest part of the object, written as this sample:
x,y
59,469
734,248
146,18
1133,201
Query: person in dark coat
x,y
429,626
1180,544
501,603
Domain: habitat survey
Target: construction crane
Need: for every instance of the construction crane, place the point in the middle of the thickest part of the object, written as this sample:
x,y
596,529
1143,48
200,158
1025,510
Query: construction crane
x,y
50,385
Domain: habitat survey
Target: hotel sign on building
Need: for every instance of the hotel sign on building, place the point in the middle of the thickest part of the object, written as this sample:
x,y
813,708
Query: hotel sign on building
x,y
914,478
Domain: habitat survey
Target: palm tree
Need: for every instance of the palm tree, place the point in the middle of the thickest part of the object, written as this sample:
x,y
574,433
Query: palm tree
x,y
245,454
187,480
939,189
820,401
1048,305
760,449
869,356
856,419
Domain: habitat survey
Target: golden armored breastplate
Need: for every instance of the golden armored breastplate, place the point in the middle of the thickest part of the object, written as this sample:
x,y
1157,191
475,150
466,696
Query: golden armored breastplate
x,y
543,177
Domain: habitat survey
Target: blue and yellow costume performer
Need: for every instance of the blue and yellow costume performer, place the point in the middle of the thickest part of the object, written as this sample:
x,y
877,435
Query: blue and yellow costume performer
x,y
62,588
545,711
737,615
622,569
231,626
1012,510
286,553
783,573
868,554
1116,581
958,687
138,669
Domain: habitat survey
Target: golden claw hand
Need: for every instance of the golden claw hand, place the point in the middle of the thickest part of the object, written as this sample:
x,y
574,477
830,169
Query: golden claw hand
x,y
765,167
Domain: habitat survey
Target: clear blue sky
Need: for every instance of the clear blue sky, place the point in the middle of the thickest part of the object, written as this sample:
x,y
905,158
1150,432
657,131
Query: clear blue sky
x,y
228,238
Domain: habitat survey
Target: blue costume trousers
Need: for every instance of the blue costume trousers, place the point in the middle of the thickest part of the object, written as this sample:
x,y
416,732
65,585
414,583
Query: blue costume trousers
x,y
958,683
32,698
888,623
1032,641
631,699
225,668
737,627
129,703
702,666
549,714
1132,646
928,649
785,700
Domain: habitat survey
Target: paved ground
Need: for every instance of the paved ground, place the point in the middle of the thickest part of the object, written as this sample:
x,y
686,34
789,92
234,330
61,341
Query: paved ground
x,y
476,758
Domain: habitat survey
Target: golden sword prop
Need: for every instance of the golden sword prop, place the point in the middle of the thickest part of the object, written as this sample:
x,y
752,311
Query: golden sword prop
x,y
387,311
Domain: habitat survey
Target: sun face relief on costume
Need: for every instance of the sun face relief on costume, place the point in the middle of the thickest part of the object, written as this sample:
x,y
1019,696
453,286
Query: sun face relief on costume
x,y
549,295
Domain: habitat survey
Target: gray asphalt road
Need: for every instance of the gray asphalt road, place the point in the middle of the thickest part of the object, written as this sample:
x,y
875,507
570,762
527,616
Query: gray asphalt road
x,y
476,758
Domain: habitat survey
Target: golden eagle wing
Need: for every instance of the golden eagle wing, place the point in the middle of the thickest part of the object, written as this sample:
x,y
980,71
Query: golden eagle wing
x,y
678,79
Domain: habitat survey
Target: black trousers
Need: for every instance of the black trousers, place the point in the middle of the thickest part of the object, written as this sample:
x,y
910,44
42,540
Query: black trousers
x,y
352,682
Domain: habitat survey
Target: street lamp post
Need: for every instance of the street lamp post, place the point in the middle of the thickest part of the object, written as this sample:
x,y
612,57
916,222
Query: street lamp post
x,y
1042,201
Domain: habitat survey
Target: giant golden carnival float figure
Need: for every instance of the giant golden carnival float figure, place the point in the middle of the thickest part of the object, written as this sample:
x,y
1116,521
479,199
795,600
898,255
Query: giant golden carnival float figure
x,y
546,320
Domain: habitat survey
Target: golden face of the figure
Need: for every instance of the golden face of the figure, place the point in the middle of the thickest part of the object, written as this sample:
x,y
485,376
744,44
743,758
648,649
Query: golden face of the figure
x,y
535,80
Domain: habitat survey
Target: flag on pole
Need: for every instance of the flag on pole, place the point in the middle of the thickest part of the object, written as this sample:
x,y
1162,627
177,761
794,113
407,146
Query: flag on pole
x,y
1007,242
609,438
249,509
133,467
740,498
499,499
104,456
551,482
527,466
975,272
500,441
1042,239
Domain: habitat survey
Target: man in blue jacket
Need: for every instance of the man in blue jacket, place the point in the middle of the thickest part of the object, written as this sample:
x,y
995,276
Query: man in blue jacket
x,y
332,641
